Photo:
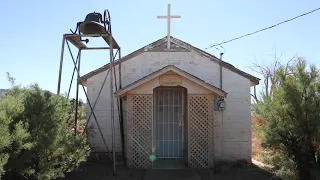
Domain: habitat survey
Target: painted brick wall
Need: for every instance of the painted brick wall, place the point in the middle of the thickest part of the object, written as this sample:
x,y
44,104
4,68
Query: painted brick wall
x,y
232,126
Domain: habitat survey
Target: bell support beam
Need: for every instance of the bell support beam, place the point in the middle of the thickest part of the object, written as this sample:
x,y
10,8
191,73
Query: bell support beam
x,y
75,40
96,48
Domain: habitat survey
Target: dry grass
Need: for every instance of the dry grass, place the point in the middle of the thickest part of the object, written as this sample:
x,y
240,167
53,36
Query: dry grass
x,y
258,152
256,141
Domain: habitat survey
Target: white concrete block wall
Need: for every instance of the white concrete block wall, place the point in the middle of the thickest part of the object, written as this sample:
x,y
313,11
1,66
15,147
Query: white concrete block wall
x,y
149,62
102,112
232,126
236,125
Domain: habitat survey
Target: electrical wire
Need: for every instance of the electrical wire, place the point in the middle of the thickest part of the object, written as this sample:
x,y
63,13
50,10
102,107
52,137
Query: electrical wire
x,y
270,27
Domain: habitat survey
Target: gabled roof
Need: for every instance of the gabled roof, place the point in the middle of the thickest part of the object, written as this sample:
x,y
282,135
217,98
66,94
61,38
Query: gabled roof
x,y
177,45
176,70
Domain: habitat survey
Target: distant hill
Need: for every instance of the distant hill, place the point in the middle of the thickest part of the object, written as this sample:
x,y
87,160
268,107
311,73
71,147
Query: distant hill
x,y
2,91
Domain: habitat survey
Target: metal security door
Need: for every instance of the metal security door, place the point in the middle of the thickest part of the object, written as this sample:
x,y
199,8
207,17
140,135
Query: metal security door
x,y
168,119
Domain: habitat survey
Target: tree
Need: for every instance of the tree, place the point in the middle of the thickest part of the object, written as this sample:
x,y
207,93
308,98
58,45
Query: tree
x,y
291,115
35,142
81,117
268,72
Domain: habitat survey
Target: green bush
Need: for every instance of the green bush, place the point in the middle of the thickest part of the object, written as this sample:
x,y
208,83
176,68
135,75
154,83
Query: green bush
x,y
291,115
35,142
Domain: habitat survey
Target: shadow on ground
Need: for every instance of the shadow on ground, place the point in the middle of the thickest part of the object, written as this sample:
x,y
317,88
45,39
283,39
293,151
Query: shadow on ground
x,y
222,171
236,171
103,171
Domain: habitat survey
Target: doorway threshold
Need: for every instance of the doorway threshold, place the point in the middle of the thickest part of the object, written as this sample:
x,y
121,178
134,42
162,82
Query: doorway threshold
x,y
168,163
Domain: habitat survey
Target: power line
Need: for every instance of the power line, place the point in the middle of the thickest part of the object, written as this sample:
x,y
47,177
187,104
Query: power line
x,y
249,34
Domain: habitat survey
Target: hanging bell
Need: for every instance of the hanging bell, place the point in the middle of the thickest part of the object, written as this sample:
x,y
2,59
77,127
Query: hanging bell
x,y
92,24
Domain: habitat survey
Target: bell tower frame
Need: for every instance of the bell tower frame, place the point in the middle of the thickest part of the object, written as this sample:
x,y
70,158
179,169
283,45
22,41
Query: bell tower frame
x,y
111,46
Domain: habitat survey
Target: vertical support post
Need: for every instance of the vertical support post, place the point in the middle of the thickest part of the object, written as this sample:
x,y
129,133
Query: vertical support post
x,y
222,124
121,110
112,104
77,95
61,63
119,59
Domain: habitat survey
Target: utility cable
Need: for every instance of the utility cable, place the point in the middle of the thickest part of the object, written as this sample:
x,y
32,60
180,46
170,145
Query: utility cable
x,y
270,27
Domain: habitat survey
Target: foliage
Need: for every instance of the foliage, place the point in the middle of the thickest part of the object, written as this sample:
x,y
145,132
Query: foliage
x,y
34,139
269,73
283,166
291,115
258,152
81,117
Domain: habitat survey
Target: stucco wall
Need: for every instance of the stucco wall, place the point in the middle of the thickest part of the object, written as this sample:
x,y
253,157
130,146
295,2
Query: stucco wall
x,y
232,126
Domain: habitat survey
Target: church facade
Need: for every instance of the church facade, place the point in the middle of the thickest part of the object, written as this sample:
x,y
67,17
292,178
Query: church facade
x,y
175,107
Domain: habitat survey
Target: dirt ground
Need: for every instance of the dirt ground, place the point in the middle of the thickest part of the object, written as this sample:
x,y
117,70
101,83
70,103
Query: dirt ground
x,y
103,171
236,171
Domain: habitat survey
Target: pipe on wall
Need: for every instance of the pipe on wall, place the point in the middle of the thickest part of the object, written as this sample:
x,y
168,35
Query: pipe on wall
x,y
221,70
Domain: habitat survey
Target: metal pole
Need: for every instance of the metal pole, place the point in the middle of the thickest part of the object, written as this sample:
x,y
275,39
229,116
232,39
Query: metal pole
x,y
61,64
222,124
121,111
77,96
221,70
87,97
71,81
119,59
112,105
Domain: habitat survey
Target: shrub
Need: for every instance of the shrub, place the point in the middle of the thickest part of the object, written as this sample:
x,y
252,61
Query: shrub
x,y
291,115
284,167
35,142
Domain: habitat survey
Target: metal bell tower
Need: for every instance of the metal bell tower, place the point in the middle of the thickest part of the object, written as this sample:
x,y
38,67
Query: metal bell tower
x,y
94,26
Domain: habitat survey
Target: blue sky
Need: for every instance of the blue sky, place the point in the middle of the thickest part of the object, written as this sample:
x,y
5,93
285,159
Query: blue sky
x,y
31,32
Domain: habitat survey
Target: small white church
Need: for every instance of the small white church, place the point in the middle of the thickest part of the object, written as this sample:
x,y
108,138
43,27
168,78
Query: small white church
x,y
176,106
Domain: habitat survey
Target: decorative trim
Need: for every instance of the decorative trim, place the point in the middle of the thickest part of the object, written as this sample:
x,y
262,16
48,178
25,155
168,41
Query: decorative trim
x,y
170,80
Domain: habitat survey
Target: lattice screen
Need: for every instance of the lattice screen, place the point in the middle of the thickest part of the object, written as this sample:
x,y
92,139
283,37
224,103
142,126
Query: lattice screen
x,y
200,131
139,134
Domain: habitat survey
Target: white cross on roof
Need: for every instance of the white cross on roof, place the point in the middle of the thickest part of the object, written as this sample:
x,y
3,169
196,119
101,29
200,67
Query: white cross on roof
x,y
168,17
